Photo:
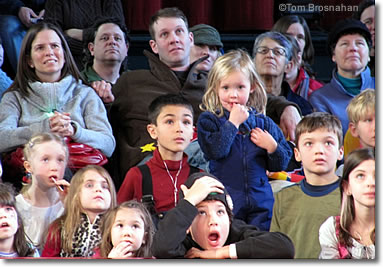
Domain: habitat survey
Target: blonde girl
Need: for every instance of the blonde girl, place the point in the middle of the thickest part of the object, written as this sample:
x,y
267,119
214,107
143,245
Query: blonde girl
x,y
352,234
13,241
39,203
127,231
240,142
77,232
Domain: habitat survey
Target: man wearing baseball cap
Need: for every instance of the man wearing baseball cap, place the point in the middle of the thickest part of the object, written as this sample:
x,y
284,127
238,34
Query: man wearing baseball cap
x,y
349,43
202,226
207,41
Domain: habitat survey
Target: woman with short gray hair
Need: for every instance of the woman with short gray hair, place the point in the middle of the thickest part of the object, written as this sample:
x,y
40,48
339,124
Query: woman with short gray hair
x,y
272,55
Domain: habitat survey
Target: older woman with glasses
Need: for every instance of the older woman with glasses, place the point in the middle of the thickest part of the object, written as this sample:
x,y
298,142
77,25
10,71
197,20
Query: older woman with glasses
x,y
273,56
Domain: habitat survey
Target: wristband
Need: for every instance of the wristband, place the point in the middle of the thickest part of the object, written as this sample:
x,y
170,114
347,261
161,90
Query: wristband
x,y
233,251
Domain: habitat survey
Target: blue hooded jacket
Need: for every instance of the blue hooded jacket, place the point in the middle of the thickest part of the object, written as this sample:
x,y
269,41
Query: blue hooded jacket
x,y
241,165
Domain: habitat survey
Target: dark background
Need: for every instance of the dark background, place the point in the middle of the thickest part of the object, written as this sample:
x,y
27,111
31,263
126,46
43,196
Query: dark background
x,y
239,22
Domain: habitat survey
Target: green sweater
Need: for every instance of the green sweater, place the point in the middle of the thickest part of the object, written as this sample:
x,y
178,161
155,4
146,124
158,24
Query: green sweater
x,y
300,209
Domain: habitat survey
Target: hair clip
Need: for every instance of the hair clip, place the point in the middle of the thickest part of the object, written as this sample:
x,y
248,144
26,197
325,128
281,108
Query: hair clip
x,y
31,144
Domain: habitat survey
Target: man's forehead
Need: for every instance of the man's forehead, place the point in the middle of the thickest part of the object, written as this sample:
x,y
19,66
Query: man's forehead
x,y
109,28
169,23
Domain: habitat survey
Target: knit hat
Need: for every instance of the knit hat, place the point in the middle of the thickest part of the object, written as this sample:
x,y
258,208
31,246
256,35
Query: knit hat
x,y
347,26
206,35
224,198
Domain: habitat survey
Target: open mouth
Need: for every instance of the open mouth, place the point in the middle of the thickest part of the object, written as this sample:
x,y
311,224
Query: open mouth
x,y
213,239
4,224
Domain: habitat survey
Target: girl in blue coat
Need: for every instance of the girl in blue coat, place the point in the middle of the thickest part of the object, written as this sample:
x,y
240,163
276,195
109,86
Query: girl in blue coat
x,y
239,141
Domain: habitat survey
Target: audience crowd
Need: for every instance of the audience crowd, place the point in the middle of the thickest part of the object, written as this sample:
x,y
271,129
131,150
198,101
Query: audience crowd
x,y
206,154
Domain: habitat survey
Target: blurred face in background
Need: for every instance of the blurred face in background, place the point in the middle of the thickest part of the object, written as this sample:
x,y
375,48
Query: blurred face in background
x,y
296,30
368,18
201,50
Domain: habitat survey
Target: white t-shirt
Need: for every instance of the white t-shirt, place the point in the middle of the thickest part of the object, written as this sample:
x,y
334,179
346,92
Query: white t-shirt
x,y
36,220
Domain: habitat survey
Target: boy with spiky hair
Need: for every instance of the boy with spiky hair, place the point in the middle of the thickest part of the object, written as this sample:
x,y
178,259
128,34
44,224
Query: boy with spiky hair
x,y
157,182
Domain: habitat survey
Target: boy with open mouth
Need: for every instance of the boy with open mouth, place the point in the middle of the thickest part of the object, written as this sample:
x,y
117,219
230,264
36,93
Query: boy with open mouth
x,y
202,226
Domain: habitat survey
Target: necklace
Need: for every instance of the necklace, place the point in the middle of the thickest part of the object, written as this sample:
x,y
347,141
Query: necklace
x,y
174,181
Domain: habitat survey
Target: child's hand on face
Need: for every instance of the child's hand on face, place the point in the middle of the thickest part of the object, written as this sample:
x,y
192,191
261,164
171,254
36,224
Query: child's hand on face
x,y
121,251
201,188
62,187
219,253
238,114
263,139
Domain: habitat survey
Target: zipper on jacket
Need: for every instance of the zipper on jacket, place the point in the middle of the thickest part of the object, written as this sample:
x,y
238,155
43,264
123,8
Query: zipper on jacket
x,y
245,176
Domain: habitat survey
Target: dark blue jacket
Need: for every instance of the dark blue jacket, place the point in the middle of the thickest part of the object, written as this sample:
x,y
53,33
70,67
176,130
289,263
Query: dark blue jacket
x,y
334,99
303,104
241,165
11,7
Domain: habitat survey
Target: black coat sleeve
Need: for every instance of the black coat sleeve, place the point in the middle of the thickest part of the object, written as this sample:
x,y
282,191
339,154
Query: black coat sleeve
x,y
252,243
276,105
171,240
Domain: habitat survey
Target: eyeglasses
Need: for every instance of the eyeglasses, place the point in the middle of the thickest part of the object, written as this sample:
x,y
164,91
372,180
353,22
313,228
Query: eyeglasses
x,y
277,51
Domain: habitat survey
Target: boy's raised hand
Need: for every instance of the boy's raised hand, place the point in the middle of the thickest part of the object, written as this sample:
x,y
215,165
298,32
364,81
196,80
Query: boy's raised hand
x,y
238,114
263,139
201,188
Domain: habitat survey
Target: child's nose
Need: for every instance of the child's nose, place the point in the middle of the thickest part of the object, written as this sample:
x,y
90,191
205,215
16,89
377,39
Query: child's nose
x,y
233,93
127,231
371,179
179,126
54,166
212,220
98,187
319,148
3,214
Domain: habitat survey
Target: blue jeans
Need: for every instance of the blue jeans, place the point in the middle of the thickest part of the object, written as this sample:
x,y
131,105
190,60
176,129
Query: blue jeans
x,y
12,32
